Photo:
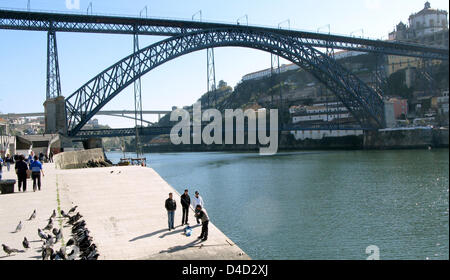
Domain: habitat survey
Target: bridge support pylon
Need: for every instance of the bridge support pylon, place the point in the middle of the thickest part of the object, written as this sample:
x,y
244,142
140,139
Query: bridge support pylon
x,y
137,97
211,77
55,115
92,143
53,79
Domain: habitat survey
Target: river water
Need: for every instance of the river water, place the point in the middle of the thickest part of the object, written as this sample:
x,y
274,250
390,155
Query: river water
x,y
321,204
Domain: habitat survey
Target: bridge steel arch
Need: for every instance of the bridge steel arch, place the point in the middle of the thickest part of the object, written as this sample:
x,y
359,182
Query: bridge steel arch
x,y
362,101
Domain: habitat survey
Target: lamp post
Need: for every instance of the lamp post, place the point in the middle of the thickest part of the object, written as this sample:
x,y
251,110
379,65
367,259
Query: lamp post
x,y
146,12
89,8
244,16
359,30
197,13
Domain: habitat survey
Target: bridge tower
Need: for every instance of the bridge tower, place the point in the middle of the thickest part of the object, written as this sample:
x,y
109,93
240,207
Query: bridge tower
x,y
53,79
137,95
211,77
54,105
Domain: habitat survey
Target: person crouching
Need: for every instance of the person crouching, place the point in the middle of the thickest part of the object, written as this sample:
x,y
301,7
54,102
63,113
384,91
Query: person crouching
x,y
203,216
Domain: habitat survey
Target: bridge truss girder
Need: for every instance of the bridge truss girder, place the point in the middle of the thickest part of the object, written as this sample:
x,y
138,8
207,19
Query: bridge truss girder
x,y
38,21
361,101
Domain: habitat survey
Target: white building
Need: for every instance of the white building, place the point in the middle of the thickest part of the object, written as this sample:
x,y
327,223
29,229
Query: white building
x,y
288,67
428,21
321,117
267,72
320,113
320,134
346,54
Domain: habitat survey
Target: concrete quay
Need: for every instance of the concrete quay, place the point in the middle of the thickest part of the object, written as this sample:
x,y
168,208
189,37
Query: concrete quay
x,y
124,211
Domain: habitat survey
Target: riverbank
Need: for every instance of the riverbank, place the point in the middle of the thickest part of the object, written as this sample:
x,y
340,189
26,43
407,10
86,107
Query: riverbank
x,y
124,211
387,139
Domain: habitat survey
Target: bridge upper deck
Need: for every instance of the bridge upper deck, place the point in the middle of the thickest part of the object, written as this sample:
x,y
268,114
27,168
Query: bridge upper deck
x,y
44,21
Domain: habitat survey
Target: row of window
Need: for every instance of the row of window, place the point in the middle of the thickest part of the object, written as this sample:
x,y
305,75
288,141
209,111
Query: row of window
x,y
443,23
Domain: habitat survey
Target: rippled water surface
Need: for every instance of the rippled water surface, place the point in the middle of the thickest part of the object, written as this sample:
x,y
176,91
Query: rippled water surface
x,y
321,205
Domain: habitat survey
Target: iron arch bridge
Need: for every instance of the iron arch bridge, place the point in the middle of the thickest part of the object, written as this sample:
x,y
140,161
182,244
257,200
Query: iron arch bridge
x,y
362,101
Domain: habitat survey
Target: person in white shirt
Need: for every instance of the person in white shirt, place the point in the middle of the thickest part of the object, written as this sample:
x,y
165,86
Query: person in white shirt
x,y
197,200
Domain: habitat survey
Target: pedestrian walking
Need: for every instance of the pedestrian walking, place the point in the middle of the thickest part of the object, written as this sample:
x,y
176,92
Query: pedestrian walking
x,y
21,171
197,200
171,206
36,170
185,203
9,160
41,157
203,216
30,158
1,168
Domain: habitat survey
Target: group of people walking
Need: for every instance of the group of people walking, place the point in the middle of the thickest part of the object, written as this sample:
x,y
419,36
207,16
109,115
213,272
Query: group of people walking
x,y
25,168
198,205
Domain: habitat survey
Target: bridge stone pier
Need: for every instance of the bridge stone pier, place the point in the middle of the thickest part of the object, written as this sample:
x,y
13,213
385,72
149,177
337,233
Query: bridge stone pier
x,y
92,143
55,115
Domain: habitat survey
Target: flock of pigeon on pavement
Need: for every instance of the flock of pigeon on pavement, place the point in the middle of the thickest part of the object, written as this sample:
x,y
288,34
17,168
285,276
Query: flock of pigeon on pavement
x,y
80,246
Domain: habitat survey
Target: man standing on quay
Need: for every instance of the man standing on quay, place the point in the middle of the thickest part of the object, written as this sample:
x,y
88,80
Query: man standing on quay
x,y
197,200
185,202
171,206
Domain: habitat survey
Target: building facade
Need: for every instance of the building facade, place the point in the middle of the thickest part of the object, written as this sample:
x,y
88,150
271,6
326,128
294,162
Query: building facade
x,y
428,26
400,107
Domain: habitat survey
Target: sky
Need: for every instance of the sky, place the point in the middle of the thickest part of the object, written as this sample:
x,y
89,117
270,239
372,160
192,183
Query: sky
x,y
182,81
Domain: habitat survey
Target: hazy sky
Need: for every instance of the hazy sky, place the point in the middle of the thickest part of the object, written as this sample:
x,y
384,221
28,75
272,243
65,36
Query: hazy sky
x,y
181,81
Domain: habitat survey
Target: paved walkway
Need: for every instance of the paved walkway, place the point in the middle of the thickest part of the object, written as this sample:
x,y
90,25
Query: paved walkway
x,y
124,210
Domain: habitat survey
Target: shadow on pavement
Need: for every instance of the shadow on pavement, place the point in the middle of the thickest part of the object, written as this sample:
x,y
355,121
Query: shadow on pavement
x,y
160,231
180,247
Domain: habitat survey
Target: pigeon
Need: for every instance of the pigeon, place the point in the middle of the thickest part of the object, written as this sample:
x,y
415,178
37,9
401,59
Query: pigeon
x,y
73,254
41,234
49,226
53,214
47,252
25,243
60,254
70,242
72,209
33,215
64,214
74,219
89,250
19,227
92,256
49,242
9,250
78,225
58,236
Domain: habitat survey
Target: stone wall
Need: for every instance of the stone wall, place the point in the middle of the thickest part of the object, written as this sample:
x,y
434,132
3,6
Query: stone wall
x,y
405,138
77,159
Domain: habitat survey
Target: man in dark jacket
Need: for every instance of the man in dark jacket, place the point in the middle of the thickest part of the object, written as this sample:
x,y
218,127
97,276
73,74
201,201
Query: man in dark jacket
x,y
171,206
185,202
21,170
203,216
